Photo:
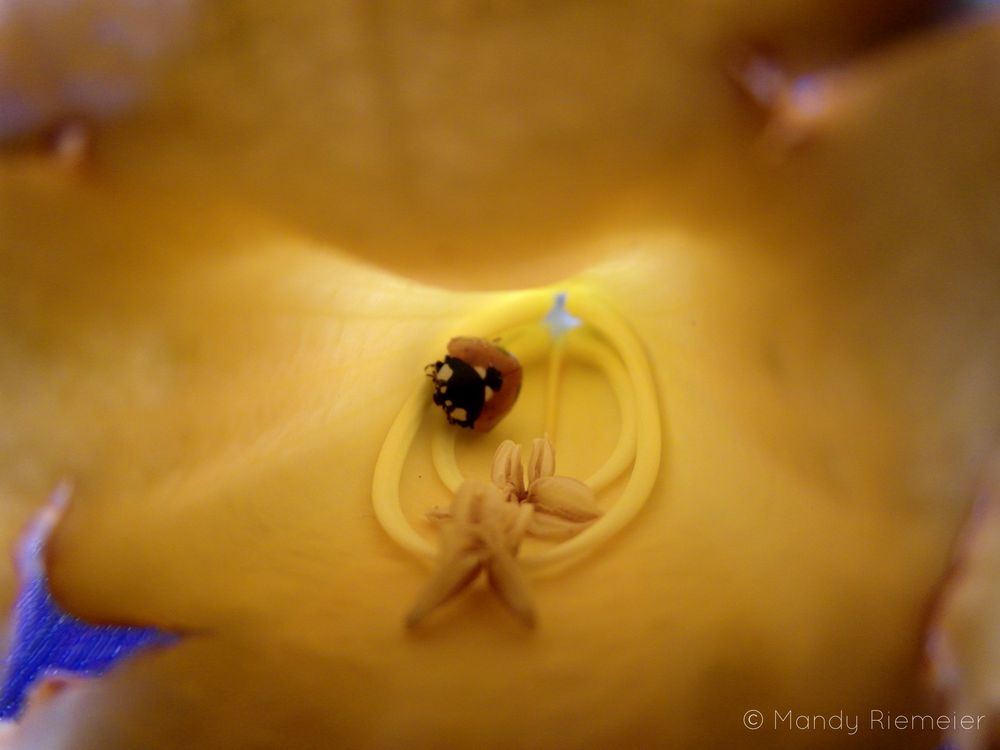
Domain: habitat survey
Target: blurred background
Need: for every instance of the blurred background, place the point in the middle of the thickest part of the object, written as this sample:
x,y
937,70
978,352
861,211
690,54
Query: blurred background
x,y
229,230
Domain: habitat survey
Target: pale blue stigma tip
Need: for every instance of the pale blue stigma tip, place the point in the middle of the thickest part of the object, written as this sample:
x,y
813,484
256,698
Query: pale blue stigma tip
x,y
559,319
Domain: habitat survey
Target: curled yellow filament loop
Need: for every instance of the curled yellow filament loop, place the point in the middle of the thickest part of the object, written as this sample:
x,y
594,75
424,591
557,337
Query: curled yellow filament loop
x,y
603,334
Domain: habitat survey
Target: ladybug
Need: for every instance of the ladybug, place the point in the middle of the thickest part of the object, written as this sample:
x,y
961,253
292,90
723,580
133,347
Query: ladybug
x,y
476,383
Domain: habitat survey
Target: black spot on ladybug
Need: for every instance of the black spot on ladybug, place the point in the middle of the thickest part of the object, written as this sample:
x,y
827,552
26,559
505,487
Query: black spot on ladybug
x,y
460,390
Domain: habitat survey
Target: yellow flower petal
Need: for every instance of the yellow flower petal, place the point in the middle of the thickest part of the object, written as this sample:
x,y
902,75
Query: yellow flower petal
x,y
823,336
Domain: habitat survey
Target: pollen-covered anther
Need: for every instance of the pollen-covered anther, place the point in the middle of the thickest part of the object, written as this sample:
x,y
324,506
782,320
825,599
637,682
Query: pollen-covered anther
x,y
483,529
564,497
507,473
482,532
542,462
563,505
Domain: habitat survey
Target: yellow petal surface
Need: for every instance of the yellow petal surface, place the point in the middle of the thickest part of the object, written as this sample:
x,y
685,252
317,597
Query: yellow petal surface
x,y
217,387
495,137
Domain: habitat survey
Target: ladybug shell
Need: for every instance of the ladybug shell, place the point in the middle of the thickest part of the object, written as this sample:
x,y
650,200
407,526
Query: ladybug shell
x,y
485,408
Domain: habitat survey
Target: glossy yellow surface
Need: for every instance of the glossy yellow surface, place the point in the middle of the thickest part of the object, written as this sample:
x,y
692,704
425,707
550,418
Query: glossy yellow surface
x,y
193,337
